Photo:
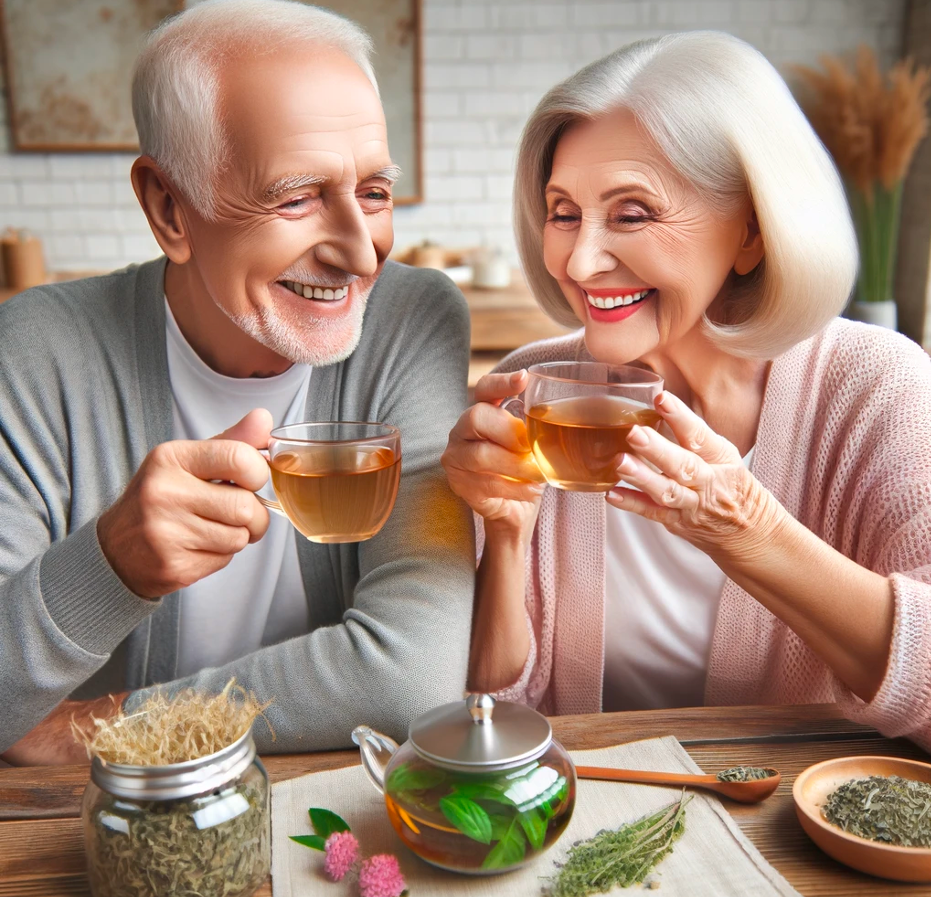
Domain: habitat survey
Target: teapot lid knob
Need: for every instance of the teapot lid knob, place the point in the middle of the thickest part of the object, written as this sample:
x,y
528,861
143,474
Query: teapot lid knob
x,y
481,707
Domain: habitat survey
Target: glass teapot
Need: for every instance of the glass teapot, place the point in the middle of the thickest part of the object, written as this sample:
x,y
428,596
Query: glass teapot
x,y
480,786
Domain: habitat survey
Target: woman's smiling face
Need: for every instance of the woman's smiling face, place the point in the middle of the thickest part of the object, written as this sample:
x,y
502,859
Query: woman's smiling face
x,y
637,251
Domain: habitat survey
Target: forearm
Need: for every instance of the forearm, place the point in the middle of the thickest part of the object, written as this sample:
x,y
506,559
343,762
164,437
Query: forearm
x,y
60,617
843,611
500,638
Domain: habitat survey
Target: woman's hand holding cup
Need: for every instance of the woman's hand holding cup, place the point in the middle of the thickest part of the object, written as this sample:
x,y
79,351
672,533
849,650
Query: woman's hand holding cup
x,y
488,460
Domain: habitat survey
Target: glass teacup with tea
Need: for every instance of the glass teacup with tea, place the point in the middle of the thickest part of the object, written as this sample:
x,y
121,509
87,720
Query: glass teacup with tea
x,y
578,415
336,481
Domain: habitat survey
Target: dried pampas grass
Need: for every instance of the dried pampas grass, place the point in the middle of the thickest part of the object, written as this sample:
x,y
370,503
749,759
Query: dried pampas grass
x,y
871,125
189,726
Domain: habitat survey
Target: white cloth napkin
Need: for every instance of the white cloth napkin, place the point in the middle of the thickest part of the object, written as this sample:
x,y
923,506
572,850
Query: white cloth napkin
x,y
712,858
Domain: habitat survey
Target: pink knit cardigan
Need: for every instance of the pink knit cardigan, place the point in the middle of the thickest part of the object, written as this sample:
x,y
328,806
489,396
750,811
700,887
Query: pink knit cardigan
x,y
844,443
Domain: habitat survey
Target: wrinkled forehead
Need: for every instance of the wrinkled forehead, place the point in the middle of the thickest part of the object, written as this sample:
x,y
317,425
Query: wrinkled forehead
x,y
608,150
305,108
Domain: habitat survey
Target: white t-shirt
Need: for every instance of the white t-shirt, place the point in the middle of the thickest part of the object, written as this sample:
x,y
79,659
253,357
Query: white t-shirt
x,y
258,598
661,604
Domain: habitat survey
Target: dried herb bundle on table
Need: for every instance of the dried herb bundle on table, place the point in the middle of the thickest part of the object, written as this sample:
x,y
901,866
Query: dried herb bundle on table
x,y
203,833
621,856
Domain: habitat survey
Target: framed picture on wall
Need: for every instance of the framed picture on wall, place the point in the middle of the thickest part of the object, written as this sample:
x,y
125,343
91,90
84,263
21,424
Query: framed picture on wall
x,y
68,68
395,27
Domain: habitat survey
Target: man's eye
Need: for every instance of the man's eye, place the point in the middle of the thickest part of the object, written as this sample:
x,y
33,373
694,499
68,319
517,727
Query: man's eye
x,y
293,204
377,194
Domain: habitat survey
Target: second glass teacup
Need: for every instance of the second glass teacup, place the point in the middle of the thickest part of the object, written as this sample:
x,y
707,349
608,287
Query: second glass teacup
x,y
336,481
578,415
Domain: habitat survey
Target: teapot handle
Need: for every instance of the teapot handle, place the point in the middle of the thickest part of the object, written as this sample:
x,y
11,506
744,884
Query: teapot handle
x,y
373,746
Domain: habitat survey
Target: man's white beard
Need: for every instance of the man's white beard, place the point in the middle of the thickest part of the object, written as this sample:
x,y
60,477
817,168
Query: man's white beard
x,y
307,339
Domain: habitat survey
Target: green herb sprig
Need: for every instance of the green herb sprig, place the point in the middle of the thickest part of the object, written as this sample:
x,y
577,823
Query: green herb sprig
x,y
622,856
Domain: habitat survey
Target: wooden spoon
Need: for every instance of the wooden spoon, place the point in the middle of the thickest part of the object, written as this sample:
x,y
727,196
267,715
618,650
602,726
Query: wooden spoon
x,y
746,792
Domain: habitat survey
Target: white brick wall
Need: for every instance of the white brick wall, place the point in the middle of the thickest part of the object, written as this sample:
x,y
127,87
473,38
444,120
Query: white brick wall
x,y
486,64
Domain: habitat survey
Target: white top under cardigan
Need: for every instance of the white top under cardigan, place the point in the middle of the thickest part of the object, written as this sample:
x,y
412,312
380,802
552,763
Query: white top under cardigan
x,y
661,604
214,629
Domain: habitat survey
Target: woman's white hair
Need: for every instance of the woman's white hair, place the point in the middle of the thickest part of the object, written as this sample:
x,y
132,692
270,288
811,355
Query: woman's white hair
x,y
727,122
176,79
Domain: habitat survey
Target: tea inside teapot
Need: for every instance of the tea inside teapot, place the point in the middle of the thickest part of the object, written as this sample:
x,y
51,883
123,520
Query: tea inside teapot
x,y
479,787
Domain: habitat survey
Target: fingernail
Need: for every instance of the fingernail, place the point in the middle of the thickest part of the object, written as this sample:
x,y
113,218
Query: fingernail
x,y
661,401
516,376
637,437
622,464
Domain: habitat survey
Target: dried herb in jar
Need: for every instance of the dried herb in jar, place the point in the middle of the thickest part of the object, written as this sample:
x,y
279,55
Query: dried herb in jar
x,y
159,848
622,856
745,774
883,808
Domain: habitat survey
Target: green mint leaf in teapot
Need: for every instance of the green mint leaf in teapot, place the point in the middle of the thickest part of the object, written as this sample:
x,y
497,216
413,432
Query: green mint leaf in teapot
x,y
509,850
467,816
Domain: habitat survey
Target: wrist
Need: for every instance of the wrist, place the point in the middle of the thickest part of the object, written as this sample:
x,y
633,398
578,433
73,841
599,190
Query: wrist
x,y
506,535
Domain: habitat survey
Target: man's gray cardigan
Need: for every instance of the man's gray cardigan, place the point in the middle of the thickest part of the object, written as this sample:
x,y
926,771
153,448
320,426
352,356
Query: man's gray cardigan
x,y
84,396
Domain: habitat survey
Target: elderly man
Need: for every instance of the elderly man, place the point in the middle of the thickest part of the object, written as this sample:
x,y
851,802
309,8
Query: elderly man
x,y
133,550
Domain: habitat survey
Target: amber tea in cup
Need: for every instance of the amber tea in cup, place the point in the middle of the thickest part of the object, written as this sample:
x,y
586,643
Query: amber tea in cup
x,y
578,416
336,482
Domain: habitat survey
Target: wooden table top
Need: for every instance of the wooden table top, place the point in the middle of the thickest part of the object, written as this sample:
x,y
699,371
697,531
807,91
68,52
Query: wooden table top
x,y
41,851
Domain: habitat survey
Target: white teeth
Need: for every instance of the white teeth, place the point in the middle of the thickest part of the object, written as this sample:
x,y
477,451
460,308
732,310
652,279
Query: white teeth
x,y
615,301
309,292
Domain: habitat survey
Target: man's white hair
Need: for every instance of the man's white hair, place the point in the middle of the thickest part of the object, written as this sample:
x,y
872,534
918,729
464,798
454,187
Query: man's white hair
x,y
727,122
176,79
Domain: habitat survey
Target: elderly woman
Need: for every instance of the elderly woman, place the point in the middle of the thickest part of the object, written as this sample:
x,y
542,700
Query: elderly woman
x,y
776,547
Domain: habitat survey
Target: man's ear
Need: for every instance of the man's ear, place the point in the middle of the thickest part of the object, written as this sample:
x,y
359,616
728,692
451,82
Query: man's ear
x,y
158,198
750,253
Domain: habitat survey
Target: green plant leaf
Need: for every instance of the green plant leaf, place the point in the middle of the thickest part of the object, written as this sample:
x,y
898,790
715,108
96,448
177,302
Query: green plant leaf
x,y
500,823
482,791
404,778
325,822
509,850
313,841
534,823
562,791
467,816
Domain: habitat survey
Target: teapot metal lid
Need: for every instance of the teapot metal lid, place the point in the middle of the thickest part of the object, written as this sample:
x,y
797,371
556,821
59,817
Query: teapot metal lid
x,y
480,734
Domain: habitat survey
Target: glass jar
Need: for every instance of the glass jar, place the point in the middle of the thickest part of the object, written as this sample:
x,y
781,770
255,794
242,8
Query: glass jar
x,y
481,786
200,827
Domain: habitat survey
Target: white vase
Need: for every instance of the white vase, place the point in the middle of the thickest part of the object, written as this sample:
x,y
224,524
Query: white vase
x,y
881,313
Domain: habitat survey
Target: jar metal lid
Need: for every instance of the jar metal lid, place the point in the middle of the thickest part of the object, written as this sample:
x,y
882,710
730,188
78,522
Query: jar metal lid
x,y
176,780
480,734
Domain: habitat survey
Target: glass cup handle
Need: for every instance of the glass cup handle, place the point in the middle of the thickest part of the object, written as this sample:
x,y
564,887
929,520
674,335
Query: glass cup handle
x,y
269,503
514,406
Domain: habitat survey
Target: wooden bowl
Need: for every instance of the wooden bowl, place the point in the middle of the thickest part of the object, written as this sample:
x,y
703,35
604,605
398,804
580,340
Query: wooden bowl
x,y
810,792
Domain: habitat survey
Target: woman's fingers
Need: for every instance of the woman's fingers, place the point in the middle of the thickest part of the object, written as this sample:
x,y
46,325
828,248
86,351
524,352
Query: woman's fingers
x,y
664,491
484,421
685,467
496,387
488,458
692,433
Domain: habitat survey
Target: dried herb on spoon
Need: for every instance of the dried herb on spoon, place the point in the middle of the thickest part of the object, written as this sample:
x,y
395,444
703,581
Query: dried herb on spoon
x,y
745,774
621,856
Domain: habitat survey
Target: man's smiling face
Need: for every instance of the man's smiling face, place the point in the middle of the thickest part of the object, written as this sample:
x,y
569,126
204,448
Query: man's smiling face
x,y
303,220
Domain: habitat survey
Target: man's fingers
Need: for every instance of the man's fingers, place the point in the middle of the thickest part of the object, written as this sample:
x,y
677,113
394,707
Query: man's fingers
x,y
253,429
228,505
495,387
220,459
